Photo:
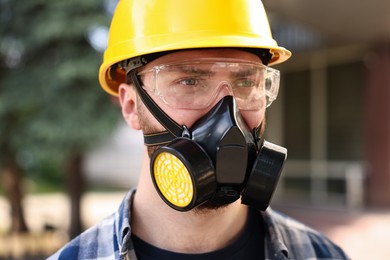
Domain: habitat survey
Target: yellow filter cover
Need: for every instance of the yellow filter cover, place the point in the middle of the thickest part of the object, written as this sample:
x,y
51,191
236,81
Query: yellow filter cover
x,y
173,180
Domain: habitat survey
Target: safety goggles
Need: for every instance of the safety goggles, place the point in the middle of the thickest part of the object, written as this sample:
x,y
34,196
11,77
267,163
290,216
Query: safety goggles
x,y
195,84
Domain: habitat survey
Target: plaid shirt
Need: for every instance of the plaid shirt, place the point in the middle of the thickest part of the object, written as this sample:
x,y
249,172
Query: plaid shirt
x,y
285,239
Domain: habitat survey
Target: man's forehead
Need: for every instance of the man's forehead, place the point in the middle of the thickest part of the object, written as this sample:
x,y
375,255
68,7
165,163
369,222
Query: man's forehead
x,y
222,53
210,68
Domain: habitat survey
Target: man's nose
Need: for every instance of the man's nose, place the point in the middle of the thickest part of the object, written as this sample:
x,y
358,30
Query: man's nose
x,y
224,89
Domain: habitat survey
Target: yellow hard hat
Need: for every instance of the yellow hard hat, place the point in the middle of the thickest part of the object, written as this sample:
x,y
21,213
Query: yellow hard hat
x,y
141,27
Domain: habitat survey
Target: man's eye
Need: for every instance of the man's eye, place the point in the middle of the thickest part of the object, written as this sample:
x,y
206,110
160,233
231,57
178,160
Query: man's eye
x,y
245,83
189,82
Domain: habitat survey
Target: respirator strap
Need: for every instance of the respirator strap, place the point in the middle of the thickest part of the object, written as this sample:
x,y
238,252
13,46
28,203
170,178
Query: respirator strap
x,y
160,138
174,130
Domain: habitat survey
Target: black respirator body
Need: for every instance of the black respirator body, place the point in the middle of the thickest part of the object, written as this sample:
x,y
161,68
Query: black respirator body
x,y
218,160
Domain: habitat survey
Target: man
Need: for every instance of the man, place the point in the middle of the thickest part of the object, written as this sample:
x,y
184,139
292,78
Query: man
x,y
193,76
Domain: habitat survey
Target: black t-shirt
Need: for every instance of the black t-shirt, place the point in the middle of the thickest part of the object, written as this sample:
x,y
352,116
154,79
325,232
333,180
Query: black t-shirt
x,y
249,245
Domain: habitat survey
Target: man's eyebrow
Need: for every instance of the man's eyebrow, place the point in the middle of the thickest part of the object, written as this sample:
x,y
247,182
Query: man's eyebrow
x,y
245,72
198,70
194,70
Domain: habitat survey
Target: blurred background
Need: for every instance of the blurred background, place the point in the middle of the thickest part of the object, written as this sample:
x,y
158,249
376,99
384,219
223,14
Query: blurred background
x,y
67,159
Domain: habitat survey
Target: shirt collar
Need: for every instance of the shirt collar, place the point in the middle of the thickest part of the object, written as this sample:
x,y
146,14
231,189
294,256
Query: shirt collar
x,y
122,224
275,248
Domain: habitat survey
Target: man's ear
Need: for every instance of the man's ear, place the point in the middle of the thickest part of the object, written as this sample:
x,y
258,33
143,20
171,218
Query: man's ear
x,y
127,99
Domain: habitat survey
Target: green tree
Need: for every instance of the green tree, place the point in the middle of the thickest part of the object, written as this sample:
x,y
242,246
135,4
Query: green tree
x,y
51,108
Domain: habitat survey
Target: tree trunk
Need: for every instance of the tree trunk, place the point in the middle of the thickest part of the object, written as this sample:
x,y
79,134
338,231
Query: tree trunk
x,y
75,187
12,184
12,176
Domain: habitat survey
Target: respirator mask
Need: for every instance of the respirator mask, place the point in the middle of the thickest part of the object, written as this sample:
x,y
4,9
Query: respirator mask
x,y
218,159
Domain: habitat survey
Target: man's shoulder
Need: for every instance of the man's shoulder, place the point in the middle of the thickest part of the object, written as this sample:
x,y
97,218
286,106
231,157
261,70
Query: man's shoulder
x,y
94,243
106,240
301,241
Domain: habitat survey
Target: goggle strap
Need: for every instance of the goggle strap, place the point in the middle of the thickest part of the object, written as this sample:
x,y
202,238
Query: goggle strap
x,y
168,123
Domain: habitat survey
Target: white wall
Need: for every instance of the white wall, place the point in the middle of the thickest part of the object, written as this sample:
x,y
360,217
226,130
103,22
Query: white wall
x,y
117,162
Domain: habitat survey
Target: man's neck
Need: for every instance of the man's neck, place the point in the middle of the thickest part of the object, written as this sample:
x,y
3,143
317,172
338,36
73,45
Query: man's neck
x,y
186,232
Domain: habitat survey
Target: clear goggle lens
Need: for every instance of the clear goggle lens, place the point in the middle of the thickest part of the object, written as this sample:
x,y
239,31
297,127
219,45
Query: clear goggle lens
x,y
196,84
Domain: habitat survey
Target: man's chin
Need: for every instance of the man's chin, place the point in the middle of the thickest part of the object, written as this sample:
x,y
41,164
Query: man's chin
x,y
208,207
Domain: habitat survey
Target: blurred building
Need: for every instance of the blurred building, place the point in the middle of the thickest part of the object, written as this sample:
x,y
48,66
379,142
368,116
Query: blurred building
x,y
333,109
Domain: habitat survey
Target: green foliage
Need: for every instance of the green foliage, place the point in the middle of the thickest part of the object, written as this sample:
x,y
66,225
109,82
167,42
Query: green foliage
x,y
50,100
